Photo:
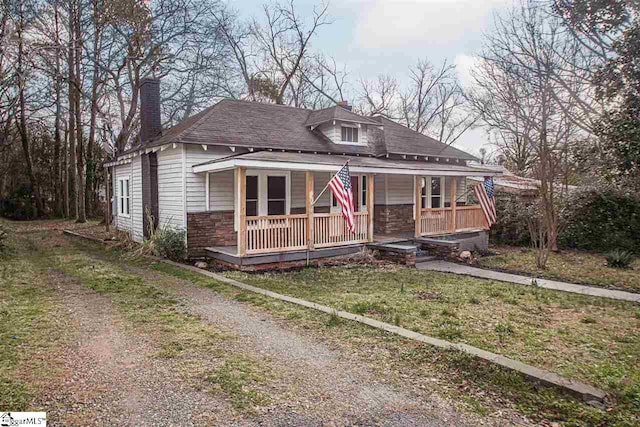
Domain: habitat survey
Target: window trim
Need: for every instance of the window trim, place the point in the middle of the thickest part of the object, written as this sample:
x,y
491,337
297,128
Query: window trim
x,y
441,195
344,127
268,200
263,195
428,196
122,198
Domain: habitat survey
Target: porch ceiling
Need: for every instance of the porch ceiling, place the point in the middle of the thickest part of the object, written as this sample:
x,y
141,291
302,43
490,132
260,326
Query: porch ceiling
x,y
331,163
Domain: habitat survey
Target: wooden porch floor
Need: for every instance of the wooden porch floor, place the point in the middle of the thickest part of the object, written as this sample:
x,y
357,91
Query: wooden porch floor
x,y
377,238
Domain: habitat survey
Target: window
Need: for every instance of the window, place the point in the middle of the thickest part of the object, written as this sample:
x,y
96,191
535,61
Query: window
x,y
267,193
349,134
431,192
424,193
276,195
363,193
252,196
124,197
436,192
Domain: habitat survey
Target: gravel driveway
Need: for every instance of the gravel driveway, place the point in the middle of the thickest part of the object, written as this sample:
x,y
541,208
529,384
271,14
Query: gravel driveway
x,y
112,376
331,387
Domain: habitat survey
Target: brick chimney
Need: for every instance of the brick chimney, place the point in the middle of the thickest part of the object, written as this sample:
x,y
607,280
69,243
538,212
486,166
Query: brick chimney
x,y
150,121
345,105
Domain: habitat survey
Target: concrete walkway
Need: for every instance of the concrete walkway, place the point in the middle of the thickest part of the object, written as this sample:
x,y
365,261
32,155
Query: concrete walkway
x,y
451,267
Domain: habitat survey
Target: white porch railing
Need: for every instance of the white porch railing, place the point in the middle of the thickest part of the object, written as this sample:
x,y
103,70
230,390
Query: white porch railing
x,y
450,220
275,233
330,229
281,233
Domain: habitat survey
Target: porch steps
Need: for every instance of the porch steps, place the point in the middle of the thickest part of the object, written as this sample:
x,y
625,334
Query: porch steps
x,y
425,258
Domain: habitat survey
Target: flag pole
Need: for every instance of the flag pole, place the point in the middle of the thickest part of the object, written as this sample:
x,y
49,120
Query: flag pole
x,y
327,186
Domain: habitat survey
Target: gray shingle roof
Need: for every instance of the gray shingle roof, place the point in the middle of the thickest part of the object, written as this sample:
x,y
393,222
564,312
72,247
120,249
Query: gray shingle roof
x,y
270,126
400,139
358,162
336,113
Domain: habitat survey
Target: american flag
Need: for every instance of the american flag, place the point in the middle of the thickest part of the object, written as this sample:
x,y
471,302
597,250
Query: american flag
x,y
340,185
485,193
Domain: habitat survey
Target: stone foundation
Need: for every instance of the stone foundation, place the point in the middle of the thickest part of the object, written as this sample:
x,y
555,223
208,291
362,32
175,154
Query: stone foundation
x,y
273,266
206,229
393,219
398,257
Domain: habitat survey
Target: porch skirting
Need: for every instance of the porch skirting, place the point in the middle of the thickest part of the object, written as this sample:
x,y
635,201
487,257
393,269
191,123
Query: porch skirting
x,y
206,229
393,219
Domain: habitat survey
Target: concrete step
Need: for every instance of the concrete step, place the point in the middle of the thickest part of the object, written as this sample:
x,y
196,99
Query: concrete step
x,y
424,258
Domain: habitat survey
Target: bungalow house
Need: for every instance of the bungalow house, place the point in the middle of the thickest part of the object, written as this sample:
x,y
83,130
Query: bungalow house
x,y
242,177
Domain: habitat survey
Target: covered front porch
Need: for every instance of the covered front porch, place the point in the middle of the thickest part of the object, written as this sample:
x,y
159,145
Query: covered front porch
x,y
276,219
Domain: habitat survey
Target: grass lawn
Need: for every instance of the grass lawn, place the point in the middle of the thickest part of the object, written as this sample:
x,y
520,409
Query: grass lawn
x,y
567,265
31,326
585,338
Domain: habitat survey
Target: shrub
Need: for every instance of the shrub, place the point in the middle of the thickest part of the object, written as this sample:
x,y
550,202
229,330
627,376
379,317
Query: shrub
x,y
19,205
511,227
602,219
619,258
170,243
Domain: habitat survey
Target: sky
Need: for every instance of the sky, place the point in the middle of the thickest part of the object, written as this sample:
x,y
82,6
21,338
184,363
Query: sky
x,y
387,36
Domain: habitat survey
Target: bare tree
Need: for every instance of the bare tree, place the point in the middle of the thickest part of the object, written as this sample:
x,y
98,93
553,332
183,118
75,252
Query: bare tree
x,y
432,102
379,97
285,38
497,97
327,83
524,54
22,79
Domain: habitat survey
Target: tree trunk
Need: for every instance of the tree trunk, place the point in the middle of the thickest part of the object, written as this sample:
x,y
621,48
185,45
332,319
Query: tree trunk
x,y
24,136
82,213
73,194
91,167
65,171
57,162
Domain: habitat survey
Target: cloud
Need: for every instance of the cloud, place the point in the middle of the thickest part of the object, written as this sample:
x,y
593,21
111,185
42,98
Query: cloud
x,y
421,23
464,64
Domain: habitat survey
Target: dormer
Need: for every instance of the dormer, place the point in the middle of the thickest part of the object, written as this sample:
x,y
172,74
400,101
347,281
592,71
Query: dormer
x,y
340,125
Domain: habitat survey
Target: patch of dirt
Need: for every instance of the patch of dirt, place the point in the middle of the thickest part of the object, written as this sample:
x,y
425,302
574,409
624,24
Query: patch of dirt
x,y
426,295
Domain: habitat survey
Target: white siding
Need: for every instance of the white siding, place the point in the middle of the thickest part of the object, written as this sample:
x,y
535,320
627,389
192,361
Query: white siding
x,y
196,184
298,189
460,189
334,131
400,189
122,171
221,191
379,190
320,181
170,187
133,222
136,199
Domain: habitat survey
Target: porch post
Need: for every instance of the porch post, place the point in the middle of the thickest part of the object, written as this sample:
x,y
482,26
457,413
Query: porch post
x,y
309,205
242,197
370,205
418,205
452,199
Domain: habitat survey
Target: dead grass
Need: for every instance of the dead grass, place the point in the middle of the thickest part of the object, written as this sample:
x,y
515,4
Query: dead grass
x,y
567,265
32,328
537,326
